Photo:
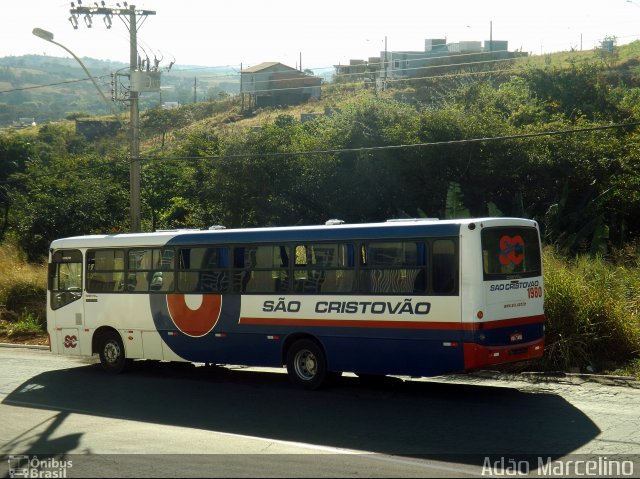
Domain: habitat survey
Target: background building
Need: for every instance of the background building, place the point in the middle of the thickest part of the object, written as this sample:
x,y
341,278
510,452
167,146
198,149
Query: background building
x,y
272,83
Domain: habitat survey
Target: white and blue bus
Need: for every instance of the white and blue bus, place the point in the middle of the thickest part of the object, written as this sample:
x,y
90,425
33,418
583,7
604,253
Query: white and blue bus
x,y
410,297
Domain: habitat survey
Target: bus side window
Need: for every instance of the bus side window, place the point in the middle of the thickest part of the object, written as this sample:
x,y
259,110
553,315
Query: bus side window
x,y
149,269
261,269
321,258
105,271
420,281
393,267
339,273
187,280
214,277
240,272
203,270
300,273
324,268
139,264
444,266
161,274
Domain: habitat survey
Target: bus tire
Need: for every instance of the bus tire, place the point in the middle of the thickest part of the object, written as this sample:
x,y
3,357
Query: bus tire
x,y
112,354
306,364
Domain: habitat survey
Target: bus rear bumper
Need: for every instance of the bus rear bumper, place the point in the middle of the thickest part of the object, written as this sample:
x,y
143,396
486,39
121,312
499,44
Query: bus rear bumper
x,y
478,356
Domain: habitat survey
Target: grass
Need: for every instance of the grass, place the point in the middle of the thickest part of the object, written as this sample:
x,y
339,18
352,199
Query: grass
x,y
27,323
591,308
23,287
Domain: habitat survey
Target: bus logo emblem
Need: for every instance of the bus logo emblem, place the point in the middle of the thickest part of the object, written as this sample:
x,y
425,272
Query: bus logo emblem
x,y
70,341
511,250
195,322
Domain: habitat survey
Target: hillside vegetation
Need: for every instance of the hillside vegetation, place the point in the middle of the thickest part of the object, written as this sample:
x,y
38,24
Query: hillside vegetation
x,y
557,142
51,88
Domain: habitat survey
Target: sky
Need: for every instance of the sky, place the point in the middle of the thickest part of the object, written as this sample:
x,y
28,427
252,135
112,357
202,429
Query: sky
x,y
316,34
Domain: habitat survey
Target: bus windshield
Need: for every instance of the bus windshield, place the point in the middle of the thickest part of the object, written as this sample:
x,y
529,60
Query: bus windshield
x,y
510,253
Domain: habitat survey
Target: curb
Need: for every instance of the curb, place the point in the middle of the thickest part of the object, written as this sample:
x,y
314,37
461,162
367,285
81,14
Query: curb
x,y
24,346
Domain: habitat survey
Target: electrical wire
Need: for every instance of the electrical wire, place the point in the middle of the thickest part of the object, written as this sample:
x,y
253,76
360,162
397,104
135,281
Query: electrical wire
x,y
34,87
392,147
24,177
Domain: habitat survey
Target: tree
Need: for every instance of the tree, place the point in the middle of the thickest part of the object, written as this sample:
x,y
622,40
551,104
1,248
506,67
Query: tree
x,y
14,153
69,196
608,50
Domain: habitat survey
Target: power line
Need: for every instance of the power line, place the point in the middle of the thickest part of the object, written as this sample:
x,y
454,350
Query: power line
x,y
343,75
23,176
393,147
413,59
49,85
427,56
277,80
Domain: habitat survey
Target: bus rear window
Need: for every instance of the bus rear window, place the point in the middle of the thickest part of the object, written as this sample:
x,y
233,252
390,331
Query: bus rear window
x,y
510,253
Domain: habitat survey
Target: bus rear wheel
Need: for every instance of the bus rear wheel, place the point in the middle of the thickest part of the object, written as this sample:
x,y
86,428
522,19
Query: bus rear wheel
x,y
112,355
306,364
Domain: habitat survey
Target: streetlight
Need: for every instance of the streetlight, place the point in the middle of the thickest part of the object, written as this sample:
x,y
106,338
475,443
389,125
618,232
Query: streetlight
x,y
48,36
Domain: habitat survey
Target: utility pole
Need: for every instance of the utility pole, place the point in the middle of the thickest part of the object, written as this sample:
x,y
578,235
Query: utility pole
x,y
134,171
241,92
491,36
384,82
130,17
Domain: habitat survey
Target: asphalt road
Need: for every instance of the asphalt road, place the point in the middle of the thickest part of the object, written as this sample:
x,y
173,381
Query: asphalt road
x,y
171,420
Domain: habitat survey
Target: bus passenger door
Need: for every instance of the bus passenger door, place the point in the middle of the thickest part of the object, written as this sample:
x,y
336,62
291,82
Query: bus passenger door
x,y
65,311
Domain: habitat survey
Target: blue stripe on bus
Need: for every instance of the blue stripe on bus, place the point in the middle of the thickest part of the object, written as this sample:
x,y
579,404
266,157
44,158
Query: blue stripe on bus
x,y
412,357
502,336
347,348
420,352
285,235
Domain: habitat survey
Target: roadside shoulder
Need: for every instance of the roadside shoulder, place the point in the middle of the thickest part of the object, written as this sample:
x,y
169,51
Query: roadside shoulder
x,y
560,377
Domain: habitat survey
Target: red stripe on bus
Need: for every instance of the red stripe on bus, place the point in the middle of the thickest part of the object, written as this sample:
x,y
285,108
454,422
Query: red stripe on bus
x,y
366,323
354,323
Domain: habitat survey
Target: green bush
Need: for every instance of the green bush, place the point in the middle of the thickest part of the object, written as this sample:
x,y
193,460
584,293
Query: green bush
x,y
28,298
28,323
591,309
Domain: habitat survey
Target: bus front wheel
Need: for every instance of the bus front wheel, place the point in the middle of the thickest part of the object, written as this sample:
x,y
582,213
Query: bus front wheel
x,y
112,355
306,364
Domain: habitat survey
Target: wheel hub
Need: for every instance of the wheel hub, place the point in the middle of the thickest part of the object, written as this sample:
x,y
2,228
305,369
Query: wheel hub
x,y
306,365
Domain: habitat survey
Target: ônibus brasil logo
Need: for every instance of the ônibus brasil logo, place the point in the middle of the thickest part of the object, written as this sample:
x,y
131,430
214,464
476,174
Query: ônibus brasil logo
x,y
25,466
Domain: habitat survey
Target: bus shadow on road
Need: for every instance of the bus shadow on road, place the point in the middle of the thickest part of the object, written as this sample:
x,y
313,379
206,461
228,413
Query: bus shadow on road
x,y
407,418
